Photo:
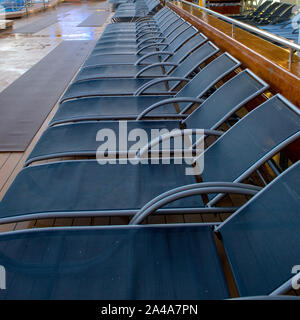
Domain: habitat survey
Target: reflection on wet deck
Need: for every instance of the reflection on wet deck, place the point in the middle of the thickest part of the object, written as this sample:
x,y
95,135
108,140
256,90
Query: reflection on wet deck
x,y
21,51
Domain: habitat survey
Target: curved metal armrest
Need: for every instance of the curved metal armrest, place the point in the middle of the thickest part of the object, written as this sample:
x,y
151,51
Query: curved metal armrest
x,y
145,31
173,134
148,32
140,20
155,44
149,84
158,64
156,53
167,101
149,39
146,26
191,190
145,21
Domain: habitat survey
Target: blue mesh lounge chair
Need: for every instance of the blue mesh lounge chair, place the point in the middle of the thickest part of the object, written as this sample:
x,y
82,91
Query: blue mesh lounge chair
x,y
129,12
145,43
160,25
162,29
136,71
132,24
78,188
255,13
79,138
277,14
173,42
265,15
100,87
139,23
129,107
106,262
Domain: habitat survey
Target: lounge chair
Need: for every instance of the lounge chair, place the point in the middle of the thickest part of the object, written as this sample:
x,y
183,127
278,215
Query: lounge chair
x,y
79,139
134,11
129,107
160,24
255,13
277,14
265,14
163,29
178,261
173,42
109,87
136,71
139,23
79,188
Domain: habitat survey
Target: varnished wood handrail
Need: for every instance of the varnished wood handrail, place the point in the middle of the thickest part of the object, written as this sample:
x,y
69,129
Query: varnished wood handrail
x,y
281,80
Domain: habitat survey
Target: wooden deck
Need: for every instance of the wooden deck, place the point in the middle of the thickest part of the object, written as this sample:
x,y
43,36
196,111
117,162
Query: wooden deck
x,y
12,162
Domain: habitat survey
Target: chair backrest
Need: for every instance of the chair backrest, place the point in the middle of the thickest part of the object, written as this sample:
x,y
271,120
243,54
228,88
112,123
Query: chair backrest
x,y
226,100
179,36
171,26
153,5
166,21
260,8
260,134
286,15
162,12
262,238
207,77
194,60
188,47
270,10
278,11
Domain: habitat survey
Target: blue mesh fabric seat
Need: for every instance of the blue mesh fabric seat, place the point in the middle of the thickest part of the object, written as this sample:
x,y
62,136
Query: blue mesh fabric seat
x,y
135,40
139,53
99,87
138,71
128,12
129,107
78,187
79,138
161,262
160,27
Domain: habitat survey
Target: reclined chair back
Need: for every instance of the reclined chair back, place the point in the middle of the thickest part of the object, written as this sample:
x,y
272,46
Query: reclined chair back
x,y
262,238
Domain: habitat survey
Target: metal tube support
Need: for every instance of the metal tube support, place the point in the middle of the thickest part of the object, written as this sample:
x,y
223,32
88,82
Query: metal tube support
x,y
26,7
291,57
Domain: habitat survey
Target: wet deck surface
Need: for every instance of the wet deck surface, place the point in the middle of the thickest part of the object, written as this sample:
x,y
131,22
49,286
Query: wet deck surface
x,y
19,52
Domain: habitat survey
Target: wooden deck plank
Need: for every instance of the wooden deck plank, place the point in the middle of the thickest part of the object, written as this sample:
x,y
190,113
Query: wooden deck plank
x,y
7,227
82,221
25,225
101,221
44,223
3,158
7,169
63,222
